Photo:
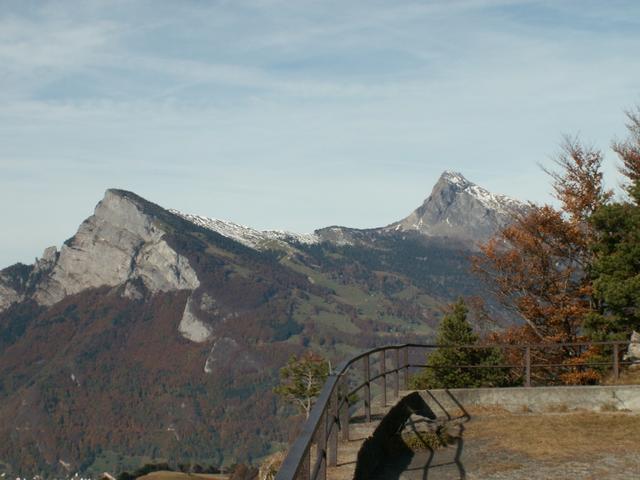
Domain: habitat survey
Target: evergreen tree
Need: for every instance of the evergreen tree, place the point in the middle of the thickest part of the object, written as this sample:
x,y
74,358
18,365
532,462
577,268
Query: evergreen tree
x,y
616,269
441,370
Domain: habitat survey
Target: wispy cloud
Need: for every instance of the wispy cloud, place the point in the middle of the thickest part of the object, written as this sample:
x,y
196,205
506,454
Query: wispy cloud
x,y
233,108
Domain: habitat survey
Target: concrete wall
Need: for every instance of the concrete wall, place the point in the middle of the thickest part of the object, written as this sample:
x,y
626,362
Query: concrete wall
x,y
537,399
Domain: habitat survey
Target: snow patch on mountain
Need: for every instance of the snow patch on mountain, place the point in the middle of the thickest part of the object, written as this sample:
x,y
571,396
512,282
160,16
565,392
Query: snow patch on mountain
x,y
250,237
492,201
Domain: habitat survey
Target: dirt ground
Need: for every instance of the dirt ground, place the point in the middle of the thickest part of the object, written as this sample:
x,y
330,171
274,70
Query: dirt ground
x,y
495,445
560,436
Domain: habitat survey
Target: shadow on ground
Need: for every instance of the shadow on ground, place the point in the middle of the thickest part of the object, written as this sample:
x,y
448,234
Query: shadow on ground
x,y
398,461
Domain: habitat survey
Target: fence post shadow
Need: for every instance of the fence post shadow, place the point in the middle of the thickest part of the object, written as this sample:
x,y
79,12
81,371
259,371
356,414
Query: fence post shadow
x,y
459,422
459,438
400,458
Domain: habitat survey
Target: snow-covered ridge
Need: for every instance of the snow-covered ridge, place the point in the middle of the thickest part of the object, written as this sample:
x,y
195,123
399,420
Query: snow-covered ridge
x,y
433,223
250,237
492,201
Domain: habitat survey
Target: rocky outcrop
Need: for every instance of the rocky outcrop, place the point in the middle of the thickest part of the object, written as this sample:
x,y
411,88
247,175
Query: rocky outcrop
x,y
120,244
191,327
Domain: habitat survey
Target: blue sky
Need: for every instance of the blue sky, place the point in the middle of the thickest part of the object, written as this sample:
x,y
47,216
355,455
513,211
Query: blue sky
x,y
296,114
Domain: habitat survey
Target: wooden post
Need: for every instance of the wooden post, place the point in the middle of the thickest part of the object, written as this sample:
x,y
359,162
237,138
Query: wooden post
x,y
396,376
406,367
616,362
332,453
367,389
383,372
527,367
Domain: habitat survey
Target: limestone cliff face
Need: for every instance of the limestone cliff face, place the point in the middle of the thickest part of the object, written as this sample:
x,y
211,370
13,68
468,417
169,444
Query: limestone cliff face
x,y
191,327
118,245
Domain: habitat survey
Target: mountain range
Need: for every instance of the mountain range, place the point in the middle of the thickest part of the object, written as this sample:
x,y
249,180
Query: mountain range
x,y
155,334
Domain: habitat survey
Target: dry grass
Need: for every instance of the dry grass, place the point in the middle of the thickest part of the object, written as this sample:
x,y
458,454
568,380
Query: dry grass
x,y
627,377
558,437
557,408
164,475
500,467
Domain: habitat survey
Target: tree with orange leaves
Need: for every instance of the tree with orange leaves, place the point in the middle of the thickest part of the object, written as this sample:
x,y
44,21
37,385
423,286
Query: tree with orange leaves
x,y
539,265
574,271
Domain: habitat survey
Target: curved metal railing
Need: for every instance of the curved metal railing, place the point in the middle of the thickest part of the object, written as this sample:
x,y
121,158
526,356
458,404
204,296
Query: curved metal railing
x,y
330,415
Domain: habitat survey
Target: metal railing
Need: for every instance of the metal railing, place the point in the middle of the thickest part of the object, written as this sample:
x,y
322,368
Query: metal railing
x,y
316,447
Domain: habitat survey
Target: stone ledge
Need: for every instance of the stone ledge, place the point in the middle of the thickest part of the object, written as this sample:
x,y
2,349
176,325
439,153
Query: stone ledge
x,y
537,399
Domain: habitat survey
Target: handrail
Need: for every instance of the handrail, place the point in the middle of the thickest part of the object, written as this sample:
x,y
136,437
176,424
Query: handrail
x,y
331,411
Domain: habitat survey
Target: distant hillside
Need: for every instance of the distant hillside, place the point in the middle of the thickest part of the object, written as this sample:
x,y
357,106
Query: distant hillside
x,y
157,334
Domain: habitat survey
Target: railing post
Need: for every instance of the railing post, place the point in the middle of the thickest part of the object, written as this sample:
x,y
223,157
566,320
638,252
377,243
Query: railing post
x,y
332,451
396,376
527,366
344,409
322,447
367,389
383,372
405,352
616,362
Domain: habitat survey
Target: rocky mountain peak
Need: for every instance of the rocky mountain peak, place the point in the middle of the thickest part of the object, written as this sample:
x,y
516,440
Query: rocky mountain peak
x,y
456,183
120,244
455,179
460,209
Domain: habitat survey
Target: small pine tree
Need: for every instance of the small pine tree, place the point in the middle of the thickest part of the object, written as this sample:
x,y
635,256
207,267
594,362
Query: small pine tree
x,y
301,380
441,370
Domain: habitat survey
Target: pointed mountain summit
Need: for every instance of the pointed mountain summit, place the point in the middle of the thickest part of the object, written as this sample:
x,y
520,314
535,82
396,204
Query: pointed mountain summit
x,y
460,209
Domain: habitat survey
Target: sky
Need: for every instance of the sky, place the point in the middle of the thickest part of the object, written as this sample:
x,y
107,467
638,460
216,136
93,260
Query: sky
x,y
297,114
